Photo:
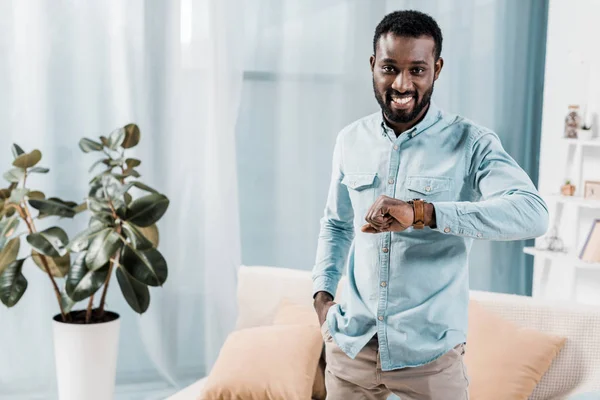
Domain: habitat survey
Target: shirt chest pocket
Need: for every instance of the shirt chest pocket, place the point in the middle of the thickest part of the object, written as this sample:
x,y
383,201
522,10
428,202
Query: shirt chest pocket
x,y
429,188
361,187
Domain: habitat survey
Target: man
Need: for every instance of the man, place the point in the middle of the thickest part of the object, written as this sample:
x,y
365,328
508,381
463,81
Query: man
x,y
411,188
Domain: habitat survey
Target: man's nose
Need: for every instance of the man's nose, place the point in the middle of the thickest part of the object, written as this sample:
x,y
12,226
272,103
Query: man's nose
x,y
403,82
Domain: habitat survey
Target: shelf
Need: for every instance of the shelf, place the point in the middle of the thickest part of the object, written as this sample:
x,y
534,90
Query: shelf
x,y
584,143
575,200
567,258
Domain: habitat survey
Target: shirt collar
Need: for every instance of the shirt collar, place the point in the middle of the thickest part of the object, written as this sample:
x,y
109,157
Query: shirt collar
x,y
433,115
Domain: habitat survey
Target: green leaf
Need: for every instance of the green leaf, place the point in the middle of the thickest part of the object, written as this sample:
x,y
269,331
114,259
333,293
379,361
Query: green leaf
x,y
14,175
101,248
104,140
50,242
116,138
82,240
16,150
83,282
4,194
137,238
132,162
98,162
87,145
12,283
80,208
58,266
147,210
149,266
151,233
9,253
17,195
132,136
8,227
136,294
52,207
36,194
39,170
28,160
128,198
66,302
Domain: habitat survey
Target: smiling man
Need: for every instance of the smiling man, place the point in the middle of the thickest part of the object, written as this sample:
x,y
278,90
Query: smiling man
x,y
411,188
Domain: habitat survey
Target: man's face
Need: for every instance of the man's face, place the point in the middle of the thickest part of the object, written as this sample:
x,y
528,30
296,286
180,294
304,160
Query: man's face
x,y
404,70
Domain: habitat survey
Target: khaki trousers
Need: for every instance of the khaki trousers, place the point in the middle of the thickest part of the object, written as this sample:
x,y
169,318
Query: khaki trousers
x,y
362,378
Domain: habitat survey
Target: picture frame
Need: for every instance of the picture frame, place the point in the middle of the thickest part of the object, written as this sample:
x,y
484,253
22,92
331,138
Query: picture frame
x,y
590,251
591,190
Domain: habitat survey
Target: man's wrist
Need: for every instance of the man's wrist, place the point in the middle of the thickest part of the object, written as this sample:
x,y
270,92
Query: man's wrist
x,y
430,215
323,297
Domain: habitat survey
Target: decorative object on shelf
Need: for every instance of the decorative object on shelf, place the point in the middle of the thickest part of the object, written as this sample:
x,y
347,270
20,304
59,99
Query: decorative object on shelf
x,y
591,190
552,242
585,133
572,122
567,189
591,249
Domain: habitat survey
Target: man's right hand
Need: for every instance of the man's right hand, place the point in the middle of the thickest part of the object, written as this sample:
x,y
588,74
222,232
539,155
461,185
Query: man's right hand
x,y
323,302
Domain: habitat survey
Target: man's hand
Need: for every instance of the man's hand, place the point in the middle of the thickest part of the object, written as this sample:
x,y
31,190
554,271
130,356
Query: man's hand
x,y
388,215
323,302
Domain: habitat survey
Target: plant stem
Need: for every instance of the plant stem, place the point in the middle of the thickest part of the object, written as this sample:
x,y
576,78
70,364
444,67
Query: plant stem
x,y
88,313
105,289
26,215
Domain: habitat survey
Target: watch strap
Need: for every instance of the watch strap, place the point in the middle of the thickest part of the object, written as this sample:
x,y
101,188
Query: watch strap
x,y
419,209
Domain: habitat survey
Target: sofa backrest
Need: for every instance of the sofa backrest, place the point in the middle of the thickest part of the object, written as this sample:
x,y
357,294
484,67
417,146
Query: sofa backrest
x,y
575,370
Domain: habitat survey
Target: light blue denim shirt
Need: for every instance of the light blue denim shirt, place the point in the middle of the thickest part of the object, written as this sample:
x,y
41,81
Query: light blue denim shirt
x,y
412,287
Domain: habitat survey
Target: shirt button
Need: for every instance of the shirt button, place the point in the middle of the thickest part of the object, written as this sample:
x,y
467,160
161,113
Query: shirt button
x,y
396,147
380,318
447,230
383,284
385,250
479,235
428,189
390,181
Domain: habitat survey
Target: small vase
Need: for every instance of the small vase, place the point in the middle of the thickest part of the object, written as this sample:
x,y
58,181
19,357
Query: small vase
x,y
585,134
567,190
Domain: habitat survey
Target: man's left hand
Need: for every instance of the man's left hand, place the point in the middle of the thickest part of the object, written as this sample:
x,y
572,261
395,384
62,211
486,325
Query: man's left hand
x,y
388,215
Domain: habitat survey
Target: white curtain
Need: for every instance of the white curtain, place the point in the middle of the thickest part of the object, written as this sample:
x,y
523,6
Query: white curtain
x,y
82,68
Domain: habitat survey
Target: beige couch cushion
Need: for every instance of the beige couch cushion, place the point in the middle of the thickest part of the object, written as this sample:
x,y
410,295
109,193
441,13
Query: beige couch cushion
x,y
254,364
290,313
505,361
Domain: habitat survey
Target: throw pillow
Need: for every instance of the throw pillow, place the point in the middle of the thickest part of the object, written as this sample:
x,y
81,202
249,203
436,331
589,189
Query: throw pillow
x,y
505,361
266,363
290,313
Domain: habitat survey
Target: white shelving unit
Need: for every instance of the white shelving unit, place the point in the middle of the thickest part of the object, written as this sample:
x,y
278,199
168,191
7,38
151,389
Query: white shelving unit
x,y
567,261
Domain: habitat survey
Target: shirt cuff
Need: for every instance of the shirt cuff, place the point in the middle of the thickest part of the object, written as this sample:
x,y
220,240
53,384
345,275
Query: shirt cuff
x,y
323,283
450,221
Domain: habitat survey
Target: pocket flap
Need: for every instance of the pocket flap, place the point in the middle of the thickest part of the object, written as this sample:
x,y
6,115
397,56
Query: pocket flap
x,y
359,181
426,185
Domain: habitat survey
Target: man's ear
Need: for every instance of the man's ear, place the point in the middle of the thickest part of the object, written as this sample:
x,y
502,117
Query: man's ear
x,y
439,64
372,62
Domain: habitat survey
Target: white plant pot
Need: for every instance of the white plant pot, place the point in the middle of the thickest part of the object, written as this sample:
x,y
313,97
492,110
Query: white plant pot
x,y
585,134
86,359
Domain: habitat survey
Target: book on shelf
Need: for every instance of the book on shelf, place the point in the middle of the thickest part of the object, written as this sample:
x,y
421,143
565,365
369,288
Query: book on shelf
x,y
591,249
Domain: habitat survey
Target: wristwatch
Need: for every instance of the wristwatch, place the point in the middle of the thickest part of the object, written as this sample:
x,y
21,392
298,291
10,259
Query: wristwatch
x,y
419,208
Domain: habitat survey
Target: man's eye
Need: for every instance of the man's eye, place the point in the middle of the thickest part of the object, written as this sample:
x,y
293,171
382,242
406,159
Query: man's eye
x,y
418,71
388,69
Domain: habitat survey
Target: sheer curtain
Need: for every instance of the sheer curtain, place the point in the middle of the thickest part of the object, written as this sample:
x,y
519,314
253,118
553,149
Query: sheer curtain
x,y
71,69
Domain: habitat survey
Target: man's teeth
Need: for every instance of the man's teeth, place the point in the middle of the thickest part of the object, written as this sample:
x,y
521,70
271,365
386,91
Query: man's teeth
x,y
403,100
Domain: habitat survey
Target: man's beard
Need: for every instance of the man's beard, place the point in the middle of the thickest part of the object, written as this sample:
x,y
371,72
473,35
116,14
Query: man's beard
x,y
402,116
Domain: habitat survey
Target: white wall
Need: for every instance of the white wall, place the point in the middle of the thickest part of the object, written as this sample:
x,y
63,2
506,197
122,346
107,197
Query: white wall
x,y
572,77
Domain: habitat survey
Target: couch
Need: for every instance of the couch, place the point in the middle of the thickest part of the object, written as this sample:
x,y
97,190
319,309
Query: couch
x,y
574,372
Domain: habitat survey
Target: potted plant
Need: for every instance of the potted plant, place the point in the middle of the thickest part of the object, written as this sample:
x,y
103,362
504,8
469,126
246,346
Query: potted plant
x,y
121,239
567,189
585,132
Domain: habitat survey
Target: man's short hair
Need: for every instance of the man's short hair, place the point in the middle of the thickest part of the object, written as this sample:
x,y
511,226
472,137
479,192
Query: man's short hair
x,y
410,23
